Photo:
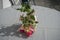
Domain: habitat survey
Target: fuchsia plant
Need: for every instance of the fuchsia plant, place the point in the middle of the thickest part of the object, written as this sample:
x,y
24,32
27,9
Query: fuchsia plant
x,y
28,21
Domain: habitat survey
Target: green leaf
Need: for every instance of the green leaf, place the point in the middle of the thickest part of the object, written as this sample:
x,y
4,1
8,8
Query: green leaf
x,y
36,21
32,17
30,21
18,9
30,11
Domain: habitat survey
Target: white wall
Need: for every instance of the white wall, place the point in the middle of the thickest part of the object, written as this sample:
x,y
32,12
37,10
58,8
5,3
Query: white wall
x,y
6,3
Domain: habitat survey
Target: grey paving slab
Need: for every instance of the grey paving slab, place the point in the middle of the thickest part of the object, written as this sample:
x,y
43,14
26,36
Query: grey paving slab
x,y
52,34
38,35
47,18
9,16
10,33
4,38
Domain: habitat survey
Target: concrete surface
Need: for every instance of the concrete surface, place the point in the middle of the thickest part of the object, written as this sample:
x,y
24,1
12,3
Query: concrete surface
x,y
48,27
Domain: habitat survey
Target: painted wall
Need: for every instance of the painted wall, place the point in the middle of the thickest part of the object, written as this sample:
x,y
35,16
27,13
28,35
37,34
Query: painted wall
x,y
4,4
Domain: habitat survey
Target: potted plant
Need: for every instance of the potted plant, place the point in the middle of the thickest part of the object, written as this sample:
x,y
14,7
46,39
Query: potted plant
x,y
28,21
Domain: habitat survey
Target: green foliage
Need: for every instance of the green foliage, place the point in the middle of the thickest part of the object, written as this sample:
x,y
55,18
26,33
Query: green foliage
x,y
29,19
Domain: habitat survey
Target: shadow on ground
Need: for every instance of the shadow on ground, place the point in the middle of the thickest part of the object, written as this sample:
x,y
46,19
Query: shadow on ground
x,y
12,31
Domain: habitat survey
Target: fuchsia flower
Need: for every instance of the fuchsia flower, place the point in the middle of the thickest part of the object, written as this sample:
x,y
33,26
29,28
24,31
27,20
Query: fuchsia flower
x,y
22,30
29,33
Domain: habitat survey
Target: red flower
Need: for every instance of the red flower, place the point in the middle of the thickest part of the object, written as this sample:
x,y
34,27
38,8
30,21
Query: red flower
x,y
22,31
29,33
